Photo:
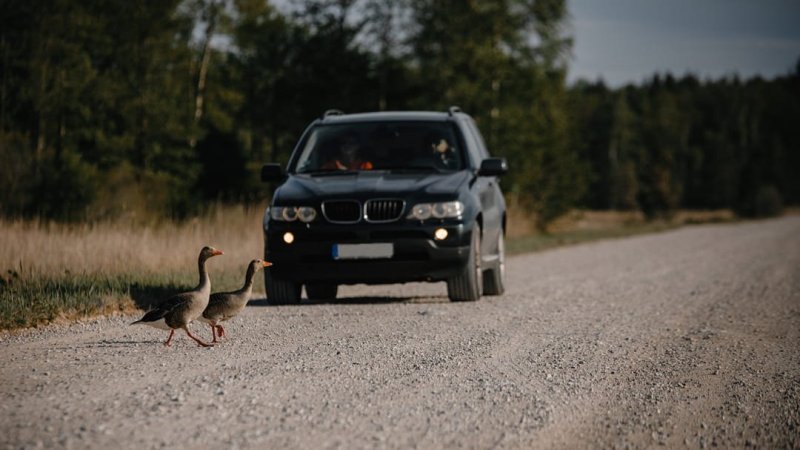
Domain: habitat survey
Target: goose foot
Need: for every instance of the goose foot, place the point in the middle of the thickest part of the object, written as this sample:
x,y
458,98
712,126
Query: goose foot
x,y
199,341
168,342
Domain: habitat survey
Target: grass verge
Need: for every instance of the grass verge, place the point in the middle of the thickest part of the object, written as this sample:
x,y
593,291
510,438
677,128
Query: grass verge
x,y
539,242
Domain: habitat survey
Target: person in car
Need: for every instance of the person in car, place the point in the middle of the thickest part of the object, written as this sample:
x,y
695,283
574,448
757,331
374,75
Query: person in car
x,y
443,153
349,157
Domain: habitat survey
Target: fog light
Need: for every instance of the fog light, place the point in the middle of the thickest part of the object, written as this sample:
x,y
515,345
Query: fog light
x,y
440,234
288,237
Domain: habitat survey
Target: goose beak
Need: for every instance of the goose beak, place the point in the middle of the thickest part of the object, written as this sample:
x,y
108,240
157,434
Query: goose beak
x,y
217,252
267,263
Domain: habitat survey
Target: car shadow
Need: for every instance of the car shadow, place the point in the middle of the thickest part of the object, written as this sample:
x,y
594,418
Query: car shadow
x,y
359,300
147,296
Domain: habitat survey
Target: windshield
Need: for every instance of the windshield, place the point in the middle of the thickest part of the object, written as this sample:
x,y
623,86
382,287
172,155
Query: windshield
x,y
395,146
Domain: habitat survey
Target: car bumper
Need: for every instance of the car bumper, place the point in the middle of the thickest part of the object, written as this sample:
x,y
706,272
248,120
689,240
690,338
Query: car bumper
x,y
417,255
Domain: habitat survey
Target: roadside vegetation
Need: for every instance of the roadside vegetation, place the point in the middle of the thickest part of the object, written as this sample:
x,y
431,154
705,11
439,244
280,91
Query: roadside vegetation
x,y
580,226
64,272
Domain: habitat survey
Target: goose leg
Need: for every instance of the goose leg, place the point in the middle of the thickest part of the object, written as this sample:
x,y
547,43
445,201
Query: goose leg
x,y
214,333
169,339
204,344
220,331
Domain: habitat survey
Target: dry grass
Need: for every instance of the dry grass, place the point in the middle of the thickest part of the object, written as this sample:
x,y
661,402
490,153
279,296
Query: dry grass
x,y
47,250
582,225
522,225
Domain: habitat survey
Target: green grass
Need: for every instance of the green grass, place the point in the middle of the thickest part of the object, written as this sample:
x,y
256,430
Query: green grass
x,y
33,302
26,303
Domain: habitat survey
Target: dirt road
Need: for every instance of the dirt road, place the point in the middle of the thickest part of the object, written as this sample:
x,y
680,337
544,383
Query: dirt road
x,y
687,338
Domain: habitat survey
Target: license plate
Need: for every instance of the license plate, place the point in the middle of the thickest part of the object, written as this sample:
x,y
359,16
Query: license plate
x,y
362,251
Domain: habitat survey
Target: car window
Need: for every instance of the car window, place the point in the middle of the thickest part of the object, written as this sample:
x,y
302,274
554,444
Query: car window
x,y
397,146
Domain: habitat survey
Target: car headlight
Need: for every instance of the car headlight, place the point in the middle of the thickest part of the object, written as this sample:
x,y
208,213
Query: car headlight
x,y
441,210
421,211
305,214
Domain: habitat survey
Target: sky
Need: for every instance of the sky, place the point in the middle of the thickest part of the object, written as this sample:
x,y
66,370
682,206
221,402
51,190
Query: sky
x,y
627,41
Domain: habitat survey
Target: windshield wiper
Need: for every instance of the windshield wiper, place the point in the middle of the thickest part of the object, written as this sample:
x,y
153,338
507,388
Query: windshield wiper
x,y
328,172
411,169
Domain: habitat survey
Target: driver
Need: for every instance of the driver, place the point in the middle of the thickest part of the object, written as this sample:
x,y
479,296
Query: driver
x,y
349,157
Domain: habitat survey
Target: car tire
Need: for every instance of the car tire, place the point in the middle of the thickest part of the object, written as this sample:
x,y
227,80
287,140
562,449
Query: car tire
x,y
321,291
279,291
468,285
494,278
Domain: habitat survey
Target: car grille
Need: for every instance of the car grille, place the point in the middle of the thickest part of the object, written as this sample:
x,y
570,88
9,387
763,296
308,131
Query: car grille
x,y
383,210
375,211
342,211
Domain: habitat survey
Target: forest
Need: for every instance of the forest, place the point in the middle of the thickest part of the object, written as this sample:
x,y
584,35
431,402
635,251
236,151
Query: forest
x,y
153,110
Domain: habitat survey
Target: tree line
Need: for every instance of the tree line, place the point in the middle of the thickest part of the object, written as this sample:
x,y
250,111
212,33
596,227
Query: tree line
x,y
158,108
685,143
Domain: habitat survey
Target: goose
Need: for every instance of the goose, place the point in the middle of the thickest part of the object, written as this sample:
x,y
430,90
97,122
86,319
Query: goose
x,y
181,309
227,305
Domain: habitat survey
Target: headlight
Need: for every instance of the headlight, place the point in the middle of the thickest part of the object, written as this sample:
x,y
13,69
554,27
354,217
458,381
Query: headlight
x,y
441,210
421,211
447,209
291,213
306,214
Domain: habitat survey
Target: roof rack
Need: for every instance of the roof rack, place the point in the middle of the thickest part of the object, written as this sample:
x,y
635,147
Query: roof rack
x,y
333,112
453,110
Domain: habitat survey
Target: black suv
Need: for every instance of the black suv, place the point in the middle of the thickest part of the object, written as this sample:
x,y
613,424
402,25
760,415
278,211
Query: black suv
x,y
386,197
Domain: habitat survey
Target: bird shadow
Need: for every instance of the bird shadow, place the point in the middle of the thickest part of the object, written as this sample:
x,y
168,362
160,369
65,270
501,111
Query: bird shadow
x,y
116,343
147,296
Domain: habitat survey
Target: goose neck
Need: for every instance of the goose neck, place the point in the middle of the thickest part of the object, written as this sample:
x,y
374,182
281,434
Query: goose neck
x,y
248,279
205,280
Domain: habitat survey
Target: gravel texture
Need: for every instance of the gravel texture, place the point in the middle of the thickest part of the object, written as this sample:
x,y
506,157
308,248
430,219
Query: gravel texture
x,y
687,338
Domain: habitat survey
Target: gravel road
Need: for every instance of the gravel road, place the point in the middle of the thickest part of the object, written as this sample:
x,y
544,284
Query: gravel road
x,y
687,338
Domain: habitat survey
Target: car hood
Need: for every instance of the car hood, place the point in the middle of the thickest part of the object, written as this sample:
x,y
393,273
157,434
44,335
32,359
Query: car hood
x,y
370,184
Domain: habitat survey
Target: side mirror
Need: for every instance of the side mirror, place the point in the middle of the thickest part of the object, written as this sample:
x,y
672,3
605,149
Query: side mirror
x,y
272,172
492,167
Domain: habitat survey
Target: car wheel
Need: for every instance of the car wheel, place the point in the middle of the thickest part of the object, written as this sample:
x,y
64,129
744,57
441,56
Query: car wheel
x,y
467,286
281,291
321,291
494,278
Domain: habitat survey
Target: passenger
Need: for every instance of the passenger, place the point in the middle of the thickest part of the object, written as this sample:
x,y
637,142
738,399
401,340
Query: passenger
x,y
443,152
